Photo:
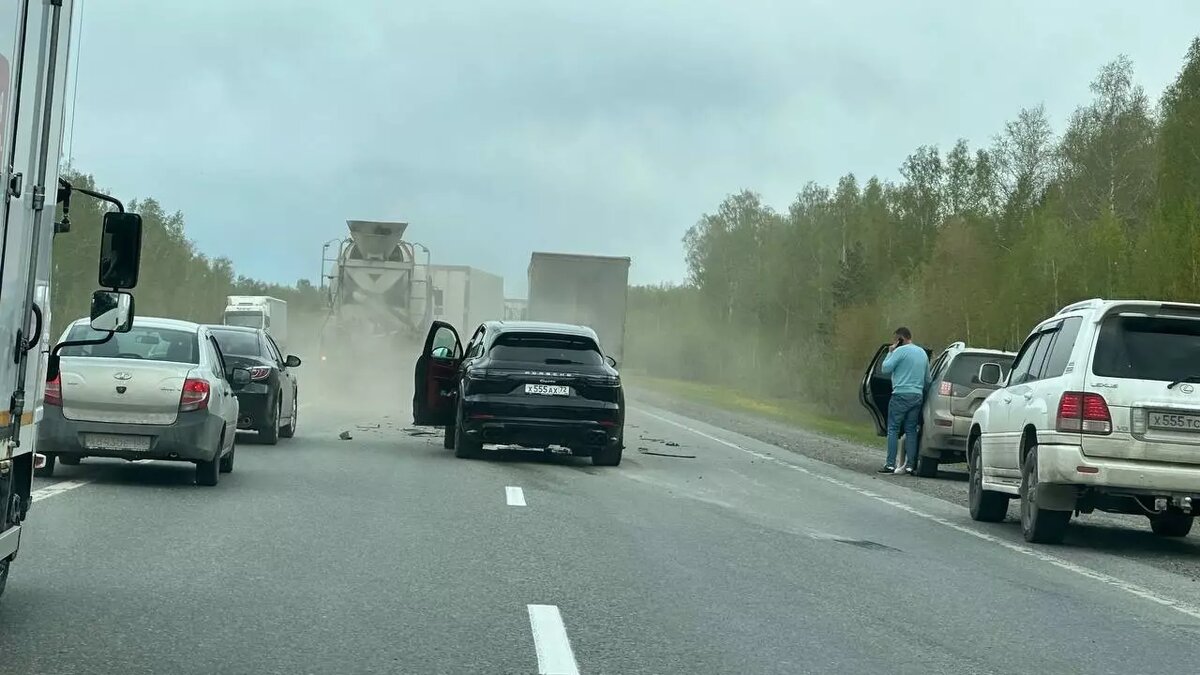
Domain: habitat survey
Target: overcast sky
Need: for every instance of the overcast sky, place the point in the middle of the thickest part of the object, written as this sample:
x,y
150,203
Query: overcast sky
x,y
498,128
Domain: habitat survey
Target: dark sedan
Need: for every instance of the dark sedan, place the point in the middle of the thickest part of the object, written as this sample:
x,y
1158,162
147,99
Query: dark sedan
x,y
268,405
524,383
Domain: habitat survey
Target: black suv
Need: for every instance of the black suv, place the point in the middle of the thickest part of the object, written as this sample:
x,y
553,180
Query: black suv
x,y
524,383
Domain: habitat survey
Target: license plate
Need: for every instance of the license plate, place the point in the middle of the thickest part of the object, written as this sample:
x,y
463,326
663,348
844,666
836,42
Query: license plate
x,y
548,389
116,442
1175,421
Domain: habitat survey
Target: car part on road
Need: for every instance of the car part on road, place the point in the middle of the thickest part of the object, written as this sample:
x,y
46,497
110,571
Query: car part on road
x,y
1171,524
985,506
345,436
1041,526
645,451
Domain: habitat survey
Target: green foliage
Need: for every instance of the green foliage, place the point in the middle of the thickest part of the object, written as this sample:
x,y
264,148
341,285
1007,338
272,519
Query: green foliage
x,y
175,281
973,245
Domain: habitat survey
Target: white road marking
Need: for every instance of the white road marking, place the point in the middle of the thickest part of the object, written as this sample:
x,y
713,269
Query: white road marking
x,y
514,495
1108,579
554,653
56,489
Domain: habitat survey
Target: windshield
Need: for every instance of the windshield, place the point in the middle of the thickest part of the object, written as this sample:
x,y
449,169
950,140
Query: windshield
x,y
149,344
546,349
246,319
1148,348
238,343
965,368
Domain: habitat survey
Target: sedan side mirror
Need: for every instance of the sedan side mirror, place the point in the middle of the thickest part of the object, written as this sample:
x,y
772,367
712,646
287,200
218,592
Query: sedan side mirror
x,y
120,250
990,374
292,361
112,311
239,377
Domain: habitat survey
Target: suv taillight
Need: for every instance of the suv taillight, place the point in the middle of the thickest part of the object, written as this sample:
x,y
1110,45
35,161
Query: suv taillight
x,y
53,392
194,396
1083,412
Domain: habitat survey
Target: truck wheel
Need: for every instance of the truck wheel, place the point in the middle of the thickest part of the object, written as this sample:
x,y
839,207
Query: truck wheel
x,y
268,434
464,446
69,460
289,431
48,470
985,506
927,467
1040,526
1171,524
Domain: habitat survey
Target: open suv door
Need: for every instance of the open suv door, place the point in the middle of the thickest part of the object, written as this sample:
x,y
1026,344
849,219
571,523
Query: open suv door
x,y
436,377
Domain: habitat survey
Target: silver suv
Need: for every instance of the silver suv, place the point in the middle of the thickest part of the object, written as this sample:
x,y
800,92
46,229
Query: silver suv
x,y
952,395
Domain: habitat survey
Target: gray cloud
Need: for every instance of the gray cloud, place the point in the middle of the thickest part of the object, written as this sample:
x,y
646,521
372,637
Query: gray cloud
x,y
597,127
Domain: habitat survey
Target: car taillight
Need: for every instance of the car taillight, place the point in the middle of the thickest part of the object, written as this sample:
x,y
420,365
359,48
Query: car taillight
x,y
194,396
945,388
1084,413
53,392
260,372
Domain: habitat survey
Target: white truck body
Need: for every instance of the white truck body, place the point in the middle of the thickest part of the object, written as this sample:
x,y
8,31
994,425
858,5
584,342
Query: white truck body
x,y
588,290
466,297
34,45
258,311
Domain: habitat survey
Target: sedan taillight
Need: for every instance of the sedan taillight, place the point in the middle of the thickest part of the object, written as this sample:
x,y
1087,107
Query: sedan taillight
x,y
53,392
258,373
195,395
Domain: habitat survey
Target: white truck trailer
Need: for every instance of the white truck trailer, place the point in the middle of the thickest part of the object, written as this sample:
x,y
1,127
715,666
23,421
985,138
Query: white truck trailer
x,y
34,39
258,311
466,297
589,290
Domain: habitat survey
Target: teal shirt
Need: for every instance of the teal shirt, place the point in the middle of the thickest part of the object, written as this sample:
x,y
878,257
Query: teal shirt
x,y
909,367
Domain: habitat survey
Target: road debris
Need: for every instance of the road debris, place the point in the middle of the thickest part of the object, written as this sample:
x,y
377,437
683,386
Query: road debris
x,y
345,436
645,451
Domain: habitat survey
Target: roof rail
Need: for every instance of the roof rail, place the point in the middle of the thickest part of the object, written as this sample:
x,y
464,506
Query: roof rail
x,y
1082,304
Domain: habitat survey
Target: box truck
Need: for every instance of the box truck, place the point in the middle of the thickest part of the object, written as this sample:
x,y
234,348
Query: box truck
x,y
258,311
466,297
588,290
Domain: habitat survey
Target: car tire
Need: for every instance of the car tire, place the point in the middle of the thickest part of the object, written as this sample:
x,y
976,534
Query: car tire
x,y
46,471
1038,525
448,436
927,467
609,455
465,447
289,431
209,473
69,460
4,565
1171,524
226,463
268,434
986,506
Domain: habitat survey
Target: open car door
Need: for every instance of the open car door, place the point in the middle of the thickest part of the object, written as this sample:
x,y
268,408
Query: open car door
x,y
876,391
436,384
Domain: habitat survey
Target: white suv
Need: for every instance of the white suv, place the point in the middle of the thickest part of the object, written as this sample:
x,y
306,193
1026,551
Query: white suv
x,y
1099,411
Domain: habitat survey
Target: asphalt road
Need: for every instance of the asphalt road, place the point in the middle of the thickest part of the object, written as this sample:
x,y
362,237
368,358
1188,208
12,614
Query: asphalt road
x,y
385,554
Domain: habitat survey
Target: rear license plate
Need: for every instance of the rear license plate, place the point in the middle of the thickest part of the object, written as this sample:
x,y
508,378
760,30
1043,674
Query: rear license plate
x,y
116,442
1174,421
548,389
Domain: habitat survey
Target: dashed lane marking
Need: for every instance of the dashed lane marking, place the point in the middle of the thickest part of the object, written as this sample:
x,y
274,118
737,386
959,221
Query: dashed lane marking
x,y
514,495
554,653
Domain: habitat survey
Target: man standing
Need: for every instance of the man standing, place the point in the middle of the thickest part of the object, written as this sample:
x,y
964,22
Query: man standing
x,y
908,365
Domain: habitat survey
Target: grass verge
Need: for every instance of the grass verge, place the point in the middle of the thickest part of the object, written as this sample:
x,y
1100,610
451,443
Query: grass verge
x,y
787,411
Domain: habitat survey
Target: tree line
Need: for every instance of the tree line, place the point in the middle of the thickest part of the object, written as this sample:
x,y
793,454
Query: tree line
x,y
176,280
969,243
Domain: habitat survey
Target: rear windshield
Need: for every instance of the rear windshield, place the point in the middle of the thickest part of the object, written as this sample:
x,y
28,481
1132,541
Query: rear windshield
x,y
964,369
150,344
246,319
238,343
546,349
1148,348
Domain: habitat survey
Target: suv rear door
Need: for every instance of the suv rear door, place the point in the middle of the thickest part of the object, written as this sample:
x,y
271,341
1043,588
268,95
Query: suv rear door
x,y
436,376
1138,354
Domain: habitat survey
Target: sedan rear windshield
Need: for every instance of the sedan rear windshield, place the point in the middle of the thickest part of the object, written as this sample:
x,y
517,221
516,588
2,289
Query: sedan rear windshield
x,y
546,349
1148,348
238,343
142,342
244,319
965,367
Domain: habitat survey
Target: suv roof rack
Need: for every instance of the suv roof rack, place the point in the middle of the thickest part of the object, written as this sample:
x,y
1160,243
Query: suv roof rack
x,y
1082,304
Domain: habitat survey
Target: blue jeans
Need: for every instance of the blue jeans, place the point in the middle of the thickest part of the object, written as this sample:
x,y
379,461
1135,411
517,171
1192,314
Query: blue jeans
x,y
904,411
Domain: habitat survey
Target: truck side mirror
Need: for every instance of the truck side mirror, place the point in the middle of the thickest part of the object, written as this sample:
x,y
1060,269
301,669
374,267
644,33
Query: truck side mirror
x,y
112,311
120,250
990,374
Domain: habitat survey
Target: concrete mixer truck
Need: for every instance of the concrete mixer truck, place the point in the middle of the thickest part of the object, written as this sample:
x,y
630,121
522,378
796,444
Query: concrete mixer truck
x,y
379,296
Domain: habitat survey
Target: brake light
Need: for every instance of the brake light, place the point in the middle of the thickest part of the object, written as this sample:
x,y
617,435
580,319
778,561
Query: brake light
x,y
53,392
945,388
194,396
1084,413
260,372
